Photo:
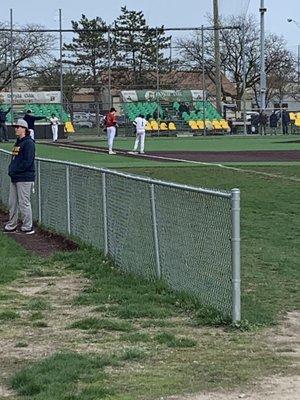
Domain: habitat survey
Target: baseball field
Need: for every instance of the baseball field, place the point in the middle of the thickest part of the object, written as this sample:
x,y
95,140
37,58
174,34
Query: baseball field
x,y
74,327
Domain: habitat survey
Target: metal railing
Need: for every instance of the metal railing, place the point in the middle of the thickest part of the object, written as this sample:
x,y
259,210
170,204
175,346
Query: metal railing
x,y
187,236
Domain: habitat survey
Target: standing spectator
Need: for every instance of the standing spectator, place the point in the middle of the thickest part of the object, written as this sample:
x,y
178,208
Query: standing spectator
x,y
140,126
22,174
263,122
3,127
273,123
254,123
111,125
54,127
285,119
230,124
30,119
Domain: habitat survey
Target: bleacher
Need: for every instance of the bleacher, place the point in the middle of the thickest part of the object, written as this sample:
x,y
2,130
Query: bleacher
x,y
168,117
45,110
148,109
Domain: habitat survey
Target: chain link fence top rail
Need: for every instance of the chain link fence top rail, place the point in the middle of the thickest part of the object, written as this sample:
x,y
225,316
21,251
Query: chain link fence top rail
x,y
186,236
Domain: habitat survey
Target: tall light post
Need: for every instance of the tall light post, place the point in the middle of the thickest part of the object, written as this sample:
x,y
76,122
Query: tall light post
x,y
217,56
263,79
298,50
61,82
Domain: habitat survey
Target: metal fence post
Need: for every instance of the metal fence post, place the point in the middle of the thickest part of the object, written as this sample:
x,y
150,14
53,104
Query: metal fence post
x,y
156,243
39,192
104,213
236,255
68,199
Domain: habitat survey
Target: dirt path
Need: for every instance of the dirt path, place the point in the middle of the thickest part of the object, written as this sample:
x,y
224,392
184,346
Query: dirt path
x,y
42,242
23,341
274,388
201,156
285,339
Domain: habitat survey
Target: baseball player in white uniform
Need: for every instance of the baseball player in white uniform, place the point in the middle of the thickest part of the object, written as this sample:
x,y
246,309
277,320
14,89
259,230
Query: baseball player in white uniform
x,y
54,126
140,125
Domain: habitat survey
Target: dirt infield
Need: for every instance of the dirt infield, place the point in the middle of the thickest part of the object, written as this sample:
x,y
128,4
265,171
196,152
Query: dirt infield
x,y
202,156
233,156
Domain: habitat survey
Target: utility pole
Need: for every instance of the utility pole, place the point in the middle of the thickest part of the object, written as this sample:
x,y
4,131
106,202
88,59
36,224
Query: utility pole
x,y
217,57
298,64
11,66
61,81
203,81
263,80
298,55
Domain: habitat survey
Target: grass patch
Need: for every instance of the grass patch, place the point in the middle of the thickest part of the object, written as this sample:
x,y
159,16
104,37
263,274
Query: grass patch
x,y
133,355
38,304
136,337
140,311
172,341
36,316
96,324
21,344
63,376
40,324
8,315
14,261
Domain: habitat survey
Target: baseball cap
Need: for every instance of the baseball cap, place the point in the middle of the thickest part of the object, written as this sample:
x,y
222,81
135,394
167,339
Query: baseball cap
x,y
21,122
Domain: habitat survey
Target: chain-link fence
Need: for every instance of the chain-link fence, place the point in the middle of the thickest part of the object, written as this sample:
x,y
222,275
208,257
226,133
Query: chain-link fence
x,y
188,237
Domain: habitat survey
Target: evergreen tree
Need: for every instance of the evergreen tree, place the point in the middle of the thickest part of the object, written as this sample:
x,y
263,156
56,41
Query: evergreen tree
x,y
88,53
139,49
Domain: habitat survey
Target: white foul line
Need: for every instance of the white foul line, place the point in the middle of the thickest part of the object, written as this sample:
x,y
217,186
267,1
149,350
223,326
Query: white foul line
x,y
226,167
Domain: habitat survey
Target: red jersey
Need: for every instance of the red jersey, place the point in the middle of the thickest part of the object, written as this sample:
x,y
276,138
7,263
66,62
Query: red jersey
x,y
110,120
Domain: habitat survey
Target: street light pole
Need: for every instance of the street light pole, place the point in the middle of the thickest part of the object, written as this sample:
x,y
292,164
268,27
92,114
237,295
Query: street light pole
x,y
298,50
298,64
263,80
61,81
217,57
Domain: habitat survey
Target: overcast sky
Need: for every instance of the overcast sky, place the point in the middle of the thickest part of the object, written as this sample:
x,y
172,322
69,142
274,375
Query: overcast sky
x,y
170,13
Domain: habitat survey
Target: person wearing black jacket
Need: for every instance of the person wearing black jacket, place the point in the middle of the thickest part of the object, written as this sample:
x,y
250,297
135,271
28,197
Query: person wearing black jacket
x,y
273,123
22,174
3,127
285,119
30,119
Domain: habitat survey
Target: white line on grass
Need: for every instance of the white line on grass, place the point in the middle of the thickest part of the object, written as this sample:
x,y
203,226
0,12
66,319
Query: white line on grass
x,y
226,167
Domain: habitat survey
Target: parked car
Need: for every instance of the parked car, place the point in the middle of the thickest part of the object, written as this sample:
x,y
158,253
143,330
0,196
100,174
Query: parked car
x,y
83,124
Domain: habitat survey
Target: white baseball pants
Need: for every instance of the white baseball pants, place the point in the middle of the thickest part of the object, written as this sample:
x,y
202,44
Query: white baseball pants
x,y
139,141
111,132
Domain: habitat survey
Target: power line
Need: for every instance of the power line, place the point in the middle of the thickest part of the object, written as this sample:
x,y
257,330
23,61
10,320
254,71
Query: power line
x,y
114,30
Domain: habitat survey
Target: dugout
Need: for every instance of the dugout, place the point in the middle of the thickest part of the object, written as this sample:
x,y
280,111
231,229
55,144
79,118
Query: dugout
x,y
41,131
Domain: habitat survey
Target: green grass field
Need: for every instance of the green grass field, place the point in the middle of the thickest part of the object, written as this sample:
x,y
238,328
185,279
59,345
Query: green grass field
x,y
127,339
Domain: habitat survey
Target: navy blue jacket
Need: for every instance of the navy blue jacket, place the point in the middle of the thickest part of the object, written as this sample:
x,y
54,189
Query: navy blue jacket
x,y
285,117
273,120
3,115
30,119
21,167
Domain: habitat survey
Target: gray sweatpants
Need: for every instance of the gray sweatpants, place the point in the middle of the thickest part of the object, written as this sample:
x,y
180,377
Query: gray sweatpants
x,y
19,200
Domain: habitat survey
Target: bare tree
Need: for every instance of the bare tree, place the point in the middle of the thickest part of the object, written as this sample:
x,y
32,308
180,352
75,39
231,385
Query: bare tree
x,y
49,79
31,49
233,43
280,70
